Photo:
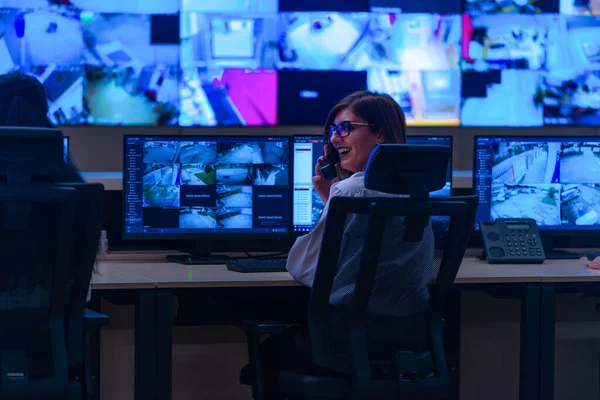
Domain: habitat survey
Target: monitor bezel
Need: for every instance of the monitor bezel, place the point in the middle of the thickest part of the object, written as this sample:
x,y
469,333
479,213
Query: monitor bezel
x,y
546,231
219,240
295,234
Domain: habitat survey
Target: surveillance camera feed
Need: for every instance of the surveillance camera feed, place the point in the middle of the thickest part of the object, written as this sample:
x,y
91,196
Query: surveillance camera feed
x,y
553,180
307,206
530,70
206,185
27,45
228,71
422,6
427,98
231,6
105,6
511,6
130,80
580,7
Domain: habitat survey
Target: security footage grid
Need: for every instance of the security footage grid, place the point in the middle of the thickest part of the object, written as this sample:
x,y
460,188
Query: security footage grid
x,y
470,63
557,183
214,184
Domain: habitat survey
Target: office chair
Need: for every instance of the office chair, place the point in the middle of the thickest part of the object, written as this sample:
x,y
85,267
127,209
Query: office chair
x,y
356,340
32,229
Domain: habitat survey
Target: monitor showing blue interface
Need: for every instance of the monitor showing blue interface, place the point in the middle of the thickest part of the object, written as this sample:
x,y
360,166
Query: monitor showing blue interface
x,y
306,203
186,185
554,180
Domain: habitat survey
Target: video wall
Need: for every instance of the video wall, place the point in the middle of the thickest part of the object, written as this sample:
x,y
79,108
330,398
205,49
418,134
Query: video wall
x,y
477,63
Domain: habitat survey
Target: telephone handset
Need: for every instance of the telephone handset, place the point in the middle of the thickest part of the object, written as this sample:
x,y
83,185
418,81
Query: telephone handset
x,y
328,170
512,241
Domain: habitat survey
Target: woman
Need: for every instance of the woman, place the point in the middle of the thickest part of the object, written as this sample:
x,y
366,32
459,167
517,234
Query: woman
x,y
23,102
355,126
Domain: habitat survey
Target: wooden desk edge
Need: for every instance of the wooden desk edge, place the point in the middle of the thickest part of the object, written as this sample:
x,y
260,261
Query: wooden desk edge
x,y
123,285
226,284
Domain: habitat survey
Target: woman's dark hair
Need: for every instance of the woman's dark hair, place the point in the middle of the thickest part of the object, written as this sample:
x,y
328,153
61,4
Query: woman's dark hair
x,y
23,101
378,109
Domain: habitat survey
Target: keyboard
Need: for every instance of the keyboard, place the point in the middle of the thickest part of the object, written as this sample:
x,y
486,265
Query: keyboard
x,y
189,260
257,265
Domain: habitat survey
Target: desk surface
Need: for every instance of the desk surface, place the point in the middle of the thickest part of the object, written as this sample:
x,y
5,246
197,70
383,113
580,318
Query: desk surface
x,y
150,271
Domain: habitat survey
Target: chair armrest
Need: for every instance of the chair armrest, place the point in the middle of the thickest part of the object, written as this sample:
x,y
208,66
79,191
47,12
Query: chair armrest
x,y
262,327
94,318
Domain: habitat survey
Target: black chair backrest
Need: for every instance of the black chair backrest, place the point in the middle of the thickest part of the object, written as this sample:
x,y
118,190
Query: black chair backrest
x,y
34,155
33,287
381,284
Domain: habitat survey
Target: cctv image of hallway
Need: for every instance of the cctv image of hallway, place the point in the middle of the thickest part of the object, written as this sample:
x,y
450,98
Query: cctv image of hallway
x,y
252,153
234,196
197,218
234,218
161,185
538,201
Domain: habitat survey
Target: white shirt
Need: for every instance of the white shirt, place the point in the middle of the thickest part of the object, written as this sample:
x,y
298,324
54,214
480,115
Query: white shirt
x,y
403,273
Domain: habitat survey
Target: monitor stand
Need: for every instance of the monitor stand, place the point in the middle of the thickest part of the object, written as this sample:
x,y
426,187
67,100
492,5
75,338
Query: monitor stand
x,y
198,254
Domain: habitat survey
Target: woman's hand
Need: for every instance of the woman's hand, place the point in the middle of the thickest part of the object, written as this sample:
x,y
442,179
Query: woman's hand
x,y
323,186
594,264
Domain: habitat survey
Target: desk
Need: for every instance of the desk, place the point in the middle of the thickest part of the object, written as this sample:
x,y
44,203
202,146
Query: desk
x,y
118,284
566,277
534,284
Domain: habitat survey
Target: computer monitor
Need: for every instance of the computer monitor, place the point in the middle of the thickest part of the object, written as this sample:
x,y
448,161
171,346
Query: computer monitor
x,y
552,179
306,203
209,189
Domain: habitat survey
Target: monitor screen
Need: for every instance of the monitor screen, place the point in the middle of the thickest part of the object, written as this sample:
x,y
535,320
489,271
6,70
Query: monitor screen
x,y
305,97
27,48
306,203
131,66
553,180
229,76
580,7
423,6
512,7
205,185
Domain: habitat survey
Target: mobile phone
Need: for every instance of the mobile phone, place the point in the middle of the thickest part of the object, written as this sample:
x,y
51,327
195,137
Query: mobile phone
x,y
328,170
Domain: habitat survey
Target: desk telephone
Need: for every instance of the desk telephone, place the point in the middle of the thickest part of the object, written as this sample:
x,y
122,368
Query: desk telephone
x,y
512,241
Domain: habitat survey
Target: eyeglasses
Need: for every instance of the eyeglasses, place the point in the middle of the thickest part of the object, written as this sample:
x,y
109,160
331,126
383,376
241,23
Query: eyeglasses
x,y
344,128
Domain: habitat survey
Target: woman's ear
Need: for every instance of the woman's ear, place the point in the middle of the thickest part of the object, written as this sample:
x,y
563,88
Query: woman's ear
x,y
380,137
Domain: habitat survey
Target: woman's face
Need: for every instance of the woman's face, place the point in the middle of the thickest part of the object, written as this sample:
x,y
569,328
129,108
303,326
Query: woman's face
x,y
355,148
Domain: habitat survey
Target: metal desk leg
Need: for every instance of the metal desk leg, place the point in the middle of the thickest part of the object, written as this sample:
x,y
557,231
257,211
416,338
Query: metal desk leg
x,y
145,346
452,337
547,341
529,377
164,344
